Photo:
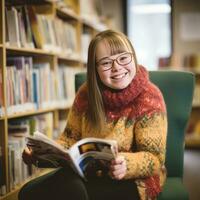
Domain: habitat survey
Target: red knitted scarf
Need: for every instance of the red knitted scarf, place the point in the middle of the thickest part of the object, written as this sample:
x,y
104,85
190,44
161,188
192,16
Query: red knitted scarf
x,y
140,98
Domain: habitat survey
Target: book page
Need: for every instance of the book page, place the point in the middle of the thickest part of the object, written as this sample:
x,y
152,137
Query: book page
x,y
92,156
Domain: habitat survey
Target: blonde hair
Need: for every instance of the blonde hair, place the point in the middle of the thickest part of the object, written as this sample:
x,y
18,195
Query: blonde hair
x,y
118,43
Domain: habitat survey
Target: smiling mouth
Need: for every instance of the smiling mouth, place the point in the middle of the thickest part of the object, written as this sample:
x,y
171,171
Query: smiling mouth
x,y
120,76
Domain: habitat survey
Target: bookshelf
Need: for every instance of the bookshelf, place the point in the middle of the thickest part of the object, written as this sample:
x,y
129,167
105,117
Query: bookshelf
x,y
193,130
39,57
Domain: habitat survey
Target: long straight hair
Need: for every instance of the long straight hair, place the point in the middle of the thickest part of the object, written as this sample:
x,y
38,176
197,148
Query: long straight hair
x,y
118,43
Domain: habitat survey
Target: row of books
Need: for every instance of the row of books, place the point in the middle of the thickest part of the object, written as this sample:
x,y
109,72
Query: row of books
x,y
25,28
17,131
66,84
31,86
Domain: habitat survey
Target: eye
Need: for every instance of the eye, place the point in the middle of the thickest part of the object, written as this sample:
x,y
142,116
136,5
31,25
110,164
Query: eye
x,y
122,58
125,58
107,62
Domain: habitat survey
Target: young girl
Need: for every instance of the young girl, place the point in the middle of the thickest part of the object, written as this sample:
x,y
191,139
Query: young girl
x,y
118,102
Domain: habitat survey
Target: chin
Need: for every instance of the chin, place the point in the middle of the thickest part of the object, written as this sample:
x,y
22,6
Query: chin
x,y
120,87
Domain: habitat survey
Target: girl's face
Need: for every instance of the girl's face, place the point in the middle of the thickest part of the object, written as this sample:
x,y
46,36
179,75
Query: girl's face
x,y
115,71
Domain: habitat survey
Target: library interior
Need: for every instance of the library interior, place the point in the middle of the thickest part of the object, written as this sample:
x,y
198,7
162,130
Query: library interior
x,y
44,46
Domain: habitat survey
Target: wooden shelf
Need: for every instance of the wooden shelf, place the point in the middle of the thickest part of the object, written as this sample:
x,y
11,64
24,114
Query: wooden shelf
x,y
68,58
13,50
67,13
37,112
29,51
30,113
92,25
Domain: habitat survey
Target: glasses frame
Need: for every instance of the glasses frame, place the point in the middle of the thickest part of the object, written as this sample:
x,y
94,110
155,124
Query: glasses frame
x,y
116,59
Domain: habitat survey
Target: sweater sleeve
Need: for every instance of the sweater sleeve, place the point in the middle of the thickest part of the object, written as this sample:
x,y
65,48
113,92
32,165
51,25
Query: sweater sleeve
x,y
150,138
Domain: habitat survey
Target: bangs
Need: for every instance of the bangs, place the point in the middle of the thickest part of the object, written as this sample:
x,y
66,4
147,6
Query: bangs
x,y
117,45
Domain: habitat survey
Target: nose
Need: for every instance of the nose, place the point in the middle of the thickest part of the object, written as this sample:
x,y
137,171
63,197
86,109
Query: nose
x,y
116,66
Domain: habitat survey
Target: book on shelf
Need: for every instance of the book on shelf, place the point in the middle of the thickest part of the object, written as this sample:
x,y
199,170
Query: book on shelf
x,y
13,27
88,157
19,84
18,172
18,130
27,26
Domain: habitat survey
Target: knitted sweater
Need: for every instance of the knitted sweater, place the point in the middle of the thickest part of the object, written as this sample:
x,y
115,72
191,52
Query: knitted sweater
x,y
136,119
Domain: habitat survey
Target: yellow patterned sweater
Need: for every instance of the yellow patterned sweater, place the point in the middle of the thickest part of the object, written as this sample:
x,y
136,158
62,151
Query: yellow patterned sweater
x,y
136,118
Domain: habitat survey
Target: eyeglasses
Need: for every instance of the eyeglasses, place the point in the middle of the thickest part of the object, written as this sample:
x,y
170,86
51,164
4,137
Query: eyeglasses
x,y
106,64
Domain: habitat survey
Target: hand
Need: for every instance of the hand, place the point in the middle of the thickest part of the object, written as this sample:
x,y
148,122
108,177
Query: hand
x,y
28,157
118,168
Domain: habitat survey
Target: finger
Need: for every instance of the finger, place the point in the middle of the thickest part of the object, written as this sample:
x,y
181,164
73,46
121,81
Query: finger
x,y
119,171
28,157
118,160
120,176
117,166
27,150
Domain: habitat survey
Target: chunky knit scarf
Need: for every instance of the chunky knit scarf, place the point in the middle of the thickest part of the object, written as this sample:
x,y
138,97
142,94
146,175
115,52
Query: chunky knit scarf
x,y
138,99
133,102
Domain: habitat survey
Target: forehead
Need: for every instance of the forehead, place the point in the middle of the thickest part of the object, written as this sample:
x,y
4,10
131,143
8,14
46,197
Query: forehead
x,y
107,48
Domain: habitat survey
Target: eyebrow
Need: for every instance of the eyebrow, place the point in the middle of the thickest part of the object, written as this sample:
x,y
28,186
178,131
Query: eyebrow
x,y
103,58
110,56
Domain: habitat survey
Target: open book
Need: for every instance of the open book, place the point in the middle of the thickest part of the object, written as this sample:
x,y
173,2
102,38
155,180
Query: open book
x,y
89,157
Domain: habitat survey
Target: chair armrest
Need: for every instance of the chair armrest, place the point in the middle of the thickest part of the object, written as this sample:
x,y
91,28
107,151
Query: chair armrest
x,y
174,190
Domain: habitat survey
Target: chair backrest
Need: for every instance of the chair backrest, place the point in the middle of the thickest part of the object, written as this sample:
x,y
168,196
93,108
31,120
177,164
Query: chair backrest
x,y
80,78
177,88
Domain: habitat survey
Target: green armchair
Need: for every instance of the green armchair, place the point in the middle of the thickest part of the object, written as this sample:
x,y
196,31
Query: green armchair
x,y
177,88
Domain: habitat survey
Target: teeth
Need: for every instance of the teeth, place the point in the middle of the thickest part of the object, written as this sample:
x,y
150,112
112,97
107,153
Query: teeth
x,y
119,76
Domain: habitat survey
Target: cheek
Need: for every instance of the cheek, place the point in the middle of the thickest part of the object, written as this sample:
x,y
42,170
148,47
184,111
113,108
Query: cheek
x,y
131,69
103,76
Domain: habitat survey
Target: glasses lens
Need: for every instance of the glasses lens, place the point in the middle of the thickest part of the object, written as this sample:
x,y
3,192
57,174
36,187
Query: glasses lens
x,y
124,59
106,64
